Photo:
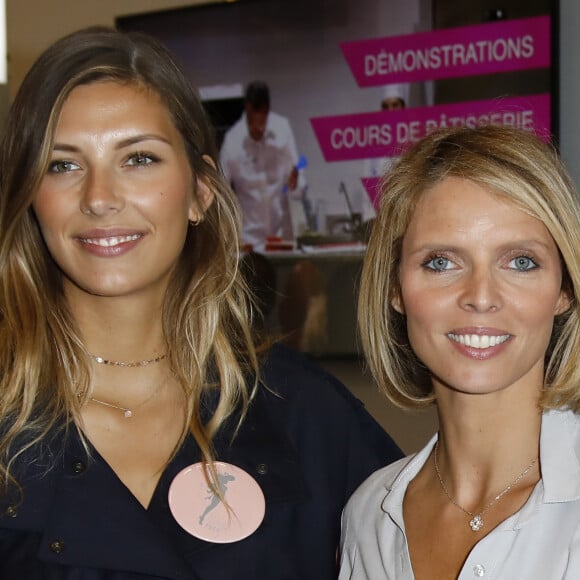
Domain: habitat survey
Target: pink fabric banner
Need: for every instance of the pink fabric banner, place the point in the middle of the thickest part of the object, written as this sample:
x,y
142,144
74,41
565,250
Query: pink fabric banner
x,y
371,185
497,47
387,133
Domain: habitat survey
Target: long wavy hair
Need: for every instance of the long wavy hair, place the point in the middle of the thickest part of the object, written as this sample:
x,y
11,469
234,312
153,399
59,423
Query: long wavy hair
x,y
45,373
516,166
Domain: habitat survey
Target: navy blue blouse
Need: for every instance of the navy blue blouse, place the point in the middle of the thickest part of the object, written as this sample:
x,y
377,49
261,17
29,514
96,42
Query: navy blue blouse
x,y
306,440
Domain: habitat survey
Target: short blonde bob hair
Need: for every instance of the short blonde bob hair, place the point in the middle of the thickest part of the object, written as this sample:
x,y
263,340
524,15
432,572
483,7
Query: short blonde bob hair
x,y
518,167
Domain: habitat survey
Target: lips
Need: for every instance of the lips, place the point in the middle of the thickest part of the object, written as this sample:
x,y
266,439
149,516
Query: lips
x,y
479,341
107,242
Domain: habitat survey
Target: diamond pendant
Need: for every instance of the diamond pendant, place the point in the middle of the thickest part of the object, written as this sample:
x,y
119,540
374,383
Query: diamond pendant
x,y
128,413
476,523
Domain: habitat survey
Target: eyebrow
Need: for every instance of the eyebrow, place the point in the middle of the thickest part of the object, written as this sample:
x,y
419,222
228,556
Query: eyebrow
x,y
510,245
120,145
142,137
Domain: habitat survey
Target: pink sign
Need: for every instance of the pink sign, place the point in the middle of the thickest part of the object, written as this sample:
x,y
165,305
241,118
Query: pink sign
x,y
387,133
454,52
371,185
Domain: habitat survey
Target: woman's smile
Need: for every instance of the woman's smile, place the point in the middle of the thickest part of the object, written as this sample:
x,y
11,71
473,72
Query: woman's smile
x,y
114,204
480,287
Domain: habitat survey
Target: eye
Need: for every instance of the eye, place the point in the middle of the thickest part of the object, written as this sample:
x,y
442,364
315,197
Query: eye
x,y
438,264
62,166
523,264
141,159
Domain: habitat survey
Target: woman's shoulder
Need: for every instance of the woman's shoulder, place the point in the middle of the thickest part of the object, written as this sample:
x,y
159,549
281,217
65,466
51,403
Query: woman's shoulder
x,y
305,398
292,374
300,385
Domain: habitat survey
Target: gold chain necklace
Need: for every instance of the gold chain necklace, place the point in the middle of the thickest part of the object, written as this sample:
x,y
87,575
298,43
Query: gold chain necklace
x,y
128,411
476,521
121,363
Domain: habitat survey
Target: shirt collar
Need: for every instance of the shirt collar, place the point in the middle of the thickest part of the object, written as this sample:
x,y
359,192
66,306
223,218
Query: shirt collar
x,y
559,456
559,460
560,468
396,487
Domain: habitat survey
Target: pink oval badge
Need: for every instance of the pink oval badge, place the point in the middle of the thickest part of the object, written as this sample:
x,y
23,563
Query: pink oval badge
x,y
201,513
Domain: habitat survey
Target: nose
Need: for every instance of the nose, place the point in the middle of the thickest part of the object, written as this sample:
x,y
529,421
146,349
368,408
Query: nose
x,y
480,291
100,196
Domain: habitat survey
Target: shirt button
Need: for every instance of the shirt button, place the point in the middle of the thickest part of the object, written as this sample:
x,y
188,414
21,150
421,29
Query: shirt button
x,y
57,546
11,511
479,570
78,466
262,468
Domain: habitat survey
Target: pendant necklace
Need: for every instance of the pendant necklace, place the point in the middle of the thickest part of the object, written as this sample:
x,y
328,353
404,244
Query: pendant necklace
x,y
128,411
476,521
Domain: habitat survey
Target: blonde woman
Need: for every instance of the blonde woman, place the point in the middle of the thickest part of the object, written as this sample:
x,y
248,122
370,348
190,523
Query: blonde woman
x,y
469,302
144,434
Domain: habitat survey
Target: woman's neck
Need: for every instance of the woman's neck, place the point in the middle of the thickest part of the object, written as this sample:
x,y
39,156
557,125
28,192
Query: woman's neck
x,y
485,441
120,329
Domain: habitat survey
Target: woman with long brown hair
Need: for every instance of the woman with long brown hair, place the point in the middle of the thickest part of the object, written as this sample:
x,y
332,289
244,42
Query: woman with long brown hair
x,y
144,433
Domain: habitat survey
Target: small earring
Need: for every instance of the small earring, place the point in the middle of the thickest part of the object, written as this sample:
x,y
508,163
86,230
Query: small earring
x,y
195,223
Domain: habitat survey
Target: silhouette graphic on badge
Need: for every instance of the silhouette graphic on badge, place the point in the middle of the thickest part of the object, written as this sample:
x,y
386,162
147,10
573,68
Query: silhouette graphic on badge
x,y
193,503
223,480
